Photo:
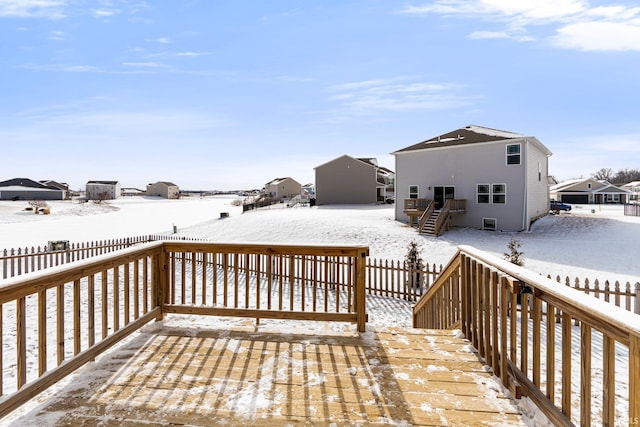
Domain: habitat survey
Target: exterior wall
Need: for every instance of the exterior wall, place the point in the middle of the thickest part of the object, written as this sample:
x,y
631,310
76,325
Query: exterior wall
x,y
286,188
346,180
463,167
537,195
161,189
94,190
30,194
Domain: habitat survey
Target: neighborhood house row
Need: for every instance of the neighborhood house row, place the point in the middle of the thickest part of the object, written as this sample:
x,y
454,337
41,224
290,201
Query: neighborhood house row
x,y
502,177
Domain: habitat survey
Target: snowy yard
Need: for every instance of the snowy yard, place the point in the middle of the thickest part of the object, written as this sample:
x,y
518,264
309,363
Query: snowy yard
x,y
601,244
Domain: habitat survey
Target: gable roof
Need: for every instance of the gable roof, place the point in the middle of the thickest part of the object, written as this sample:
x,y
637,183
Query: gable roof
x,y
23,182
369,161
471,134
167,183
599,186
103,182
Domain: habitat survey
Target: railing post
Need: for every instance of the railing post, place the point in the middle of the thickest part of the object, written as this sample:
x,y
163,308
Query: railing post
x,y
634,380
361,306
636,304
160,280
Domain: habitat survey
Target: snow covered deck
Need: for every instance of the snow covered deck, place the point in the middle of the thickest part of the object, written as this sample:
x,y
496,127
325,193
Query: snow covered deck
x,y
255,375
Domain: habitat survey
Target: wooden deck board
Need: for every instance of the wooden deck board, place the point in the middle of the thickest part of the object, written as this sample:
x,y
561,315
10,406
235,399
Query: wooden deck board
x,y
249,377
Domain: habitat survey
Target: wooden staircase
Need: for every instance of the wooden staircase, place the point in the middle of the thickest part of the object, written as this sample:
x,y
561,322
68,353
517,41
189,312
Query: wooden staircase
x,y
430,225
433,221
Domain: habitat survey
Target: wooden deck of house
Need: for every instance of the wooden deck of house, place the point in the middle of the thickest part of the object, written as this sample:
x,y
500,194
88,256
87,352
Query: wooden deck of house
x,y
251,375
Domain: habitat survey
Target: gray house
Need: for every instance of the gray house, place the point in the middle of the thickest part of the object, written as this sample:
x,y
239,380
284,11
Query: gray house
x,y
165,189
28,189
102,190
473,177
350,180
589,191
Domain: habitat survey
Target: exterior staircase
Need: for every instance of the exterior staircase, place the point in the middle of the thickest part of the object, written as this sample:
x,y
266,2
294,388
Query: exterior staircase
x,y
429,226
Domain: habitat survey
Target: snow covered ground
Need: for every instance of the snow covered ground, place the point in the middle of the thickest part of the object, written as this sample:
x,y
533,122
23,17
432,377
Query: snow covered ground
x,y
592,241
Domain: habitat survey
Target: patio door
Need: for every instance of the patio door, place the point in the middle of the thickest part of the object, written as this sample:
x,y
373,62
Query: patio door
x,y
442,194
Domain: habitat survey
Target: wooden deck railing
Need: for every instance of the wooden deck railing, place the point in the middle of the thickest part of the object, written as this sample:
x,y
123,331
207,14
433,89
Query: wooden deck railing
x,y
480,294
422,221
54,321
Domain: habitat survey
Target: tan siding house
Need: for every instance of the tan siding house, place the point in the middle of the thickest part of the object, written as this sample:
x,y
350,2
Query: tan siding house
x,y
167,190
501,176
283,188
350,180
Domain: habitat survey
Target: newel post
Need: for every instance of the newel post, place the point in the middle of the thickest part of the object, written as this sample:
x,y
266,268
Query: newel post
x,y
634,380
361,306
160,279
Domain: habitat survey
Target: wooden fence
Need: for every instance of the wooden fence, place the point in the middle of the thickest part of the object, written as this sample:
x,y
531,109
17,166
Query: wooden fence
x,y
572,373
56,320
632,210
388,278
14,262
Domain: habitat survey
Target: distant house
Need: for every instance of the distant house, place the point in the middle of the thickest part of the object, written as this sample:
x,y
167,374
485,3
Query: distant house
x,y
132,191
28,189
309,190
102,190
351,180
282,188
480,177
167,190
634,187
589,191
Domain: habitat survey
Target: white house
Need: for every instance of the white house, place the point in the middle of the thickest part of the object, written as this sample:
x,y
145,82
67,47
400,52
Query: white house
x,y
493,179
589,191
102,190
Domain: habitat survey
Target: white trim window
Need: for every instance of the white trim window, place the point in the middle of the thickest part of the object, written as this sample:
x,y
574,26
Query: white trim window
x,y
513,154
499,194
490,224
491,193
483,193
413,191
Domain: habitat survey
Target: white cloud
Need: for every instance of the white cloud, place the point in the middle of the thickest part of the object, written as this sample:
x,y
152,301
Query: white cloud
x,y
576,24
602,36
192,54
144,64
374,96
51,9
105,13
161,40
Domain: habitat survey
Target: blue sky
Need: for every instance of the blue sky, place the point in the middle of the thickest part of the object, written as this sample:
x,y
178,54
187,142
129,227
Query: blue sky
x,y
228,95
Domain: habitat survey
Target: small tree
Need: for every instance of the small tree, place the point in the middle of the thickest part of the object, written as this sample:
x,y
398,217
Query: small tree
x,y
514,255
415,263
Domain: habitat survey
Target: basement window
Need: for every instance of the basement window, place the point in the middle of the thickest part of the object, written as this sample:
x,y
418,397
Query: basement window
x,y
489,224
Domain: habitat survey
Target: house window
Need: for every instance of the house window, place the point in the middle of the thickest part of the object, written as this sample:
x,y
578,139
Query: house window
x,y
513,154
489,224
482,192
499,193
413,191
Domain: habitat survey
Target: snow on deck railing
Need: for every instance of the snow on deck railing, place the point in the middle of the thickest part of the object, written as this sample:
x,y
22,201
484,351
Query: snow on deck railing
x,y
512,317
